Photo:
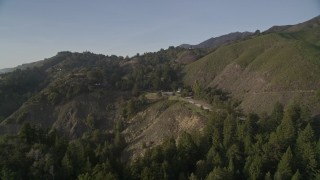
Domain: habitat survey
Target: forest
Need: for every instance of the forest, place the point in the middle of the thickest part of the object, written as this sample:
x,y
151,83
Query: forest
x,y
282,145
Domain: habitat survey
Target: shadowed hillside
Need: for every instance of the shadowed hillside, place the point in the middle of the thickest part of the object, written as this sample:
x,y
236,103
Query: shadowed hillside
x,y
77,92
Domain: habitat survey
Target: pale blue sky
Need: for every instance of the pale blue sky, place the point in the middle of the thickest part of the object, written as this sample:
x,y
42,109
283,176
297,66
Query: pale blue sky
x,y
32,30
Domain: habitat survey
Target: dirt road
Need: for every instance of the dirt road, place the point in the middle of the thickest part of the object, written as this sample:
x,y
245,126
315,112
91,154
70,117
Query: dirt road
x,y
197,103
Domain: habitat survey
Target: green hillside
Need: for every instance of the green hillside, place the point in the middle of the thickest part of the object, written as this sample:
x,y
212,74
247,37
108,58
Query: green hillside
x,y
270,62
281,59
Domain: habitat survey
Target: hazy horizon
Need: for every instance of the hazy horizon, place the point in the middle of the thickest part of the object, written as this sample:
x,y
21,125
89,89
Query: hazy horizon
x,y
34,30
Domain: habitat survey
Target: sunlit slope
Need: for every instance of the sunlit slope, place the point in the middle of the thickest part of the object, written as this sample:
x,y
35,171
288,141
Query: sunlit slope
x,y
269,63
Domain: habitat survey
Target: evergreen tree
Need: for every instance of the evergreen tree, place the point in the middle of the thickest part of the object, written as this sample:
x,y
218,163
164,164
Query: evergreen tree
x,y
268,176
119,141
67,166
316,174
247,144
169,149
229,130
284,170
293,112
201,169
251,124
27,133
234,154
296,176
306,150
286,131
214,158
254,167
217,138
241,134
231,168
284,136
187,151
268,124
305,115
219,174
166,170
277,113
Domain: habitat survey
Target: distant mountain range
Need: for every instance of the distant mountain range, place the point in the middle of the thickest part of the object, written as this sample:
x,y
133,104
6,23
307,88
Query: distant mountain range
x,y
312,23
22,66
6,70
215,42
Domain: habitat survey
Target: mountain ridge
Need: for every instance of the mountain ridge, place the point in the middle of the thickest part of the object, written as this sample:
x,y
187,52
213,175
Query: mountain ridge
x,y
314,22
215,42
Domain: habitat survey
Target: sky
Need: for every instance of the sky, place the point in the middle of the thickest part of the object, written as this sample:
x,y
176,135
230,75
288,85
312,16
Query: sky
x,y
31,30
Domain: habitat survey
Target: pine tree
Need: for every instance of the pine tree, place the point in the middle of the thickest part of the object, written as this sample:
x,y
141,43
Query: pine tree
x,y
169,149
286,131
187,151
284,170
214,157
307,135
67,166
166,170
284,136
229,130
251,124
268,124
296,176
119,141
87,167
306,150
293,112
219,174
316,175
234,153
253,167
231,167
305,115
216,137
276,116
201,169
277,112
241,134
192,177
268,176
247,144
